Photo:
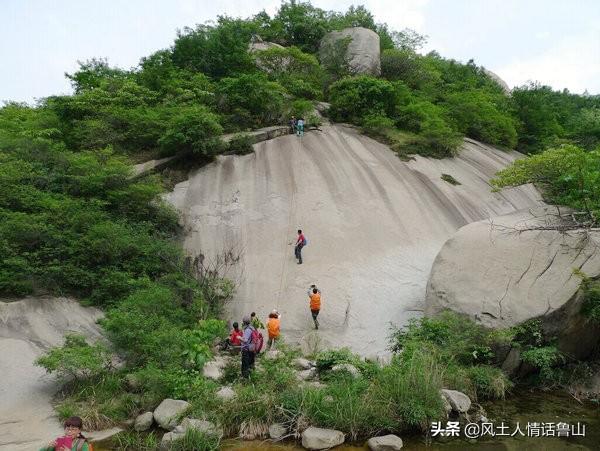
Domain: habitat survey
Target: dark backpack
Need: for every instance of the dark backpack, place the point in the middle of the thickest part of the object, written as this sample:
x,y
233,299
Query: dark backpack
x,y
256,341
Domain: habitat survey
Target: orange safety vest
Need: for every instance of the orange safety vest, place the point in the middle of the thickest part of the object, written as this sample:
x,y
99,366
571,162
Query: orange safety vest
x,y
273,327
315,301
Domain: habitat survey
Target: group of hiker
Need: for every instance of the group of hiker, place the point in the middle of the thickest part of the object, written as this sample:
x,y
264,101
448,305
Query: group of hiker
x,y
249,340
297,126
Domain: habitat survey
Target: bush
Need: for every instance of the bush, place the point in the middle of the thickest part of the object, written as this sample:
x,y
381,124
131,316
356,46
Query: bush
x,y
250,101
76,359
195,130
354,98
411,389
240,144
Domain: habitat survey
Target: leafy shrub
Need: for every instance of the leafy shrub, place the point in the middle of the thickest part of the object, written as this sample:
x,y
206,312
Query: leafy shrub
x,y
240,144
567,176
76,359
545,359
194,130
353,98
250,101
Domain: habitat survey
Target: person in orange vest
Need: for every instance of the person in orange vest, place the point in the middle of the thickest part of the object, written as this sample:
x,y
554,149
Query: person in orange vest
x,y
314,295
273,328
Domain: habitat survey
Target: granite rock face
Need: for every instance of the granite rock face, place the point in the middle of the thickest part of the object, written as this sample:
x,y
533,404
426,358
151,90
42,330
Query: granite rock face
x,y
362,52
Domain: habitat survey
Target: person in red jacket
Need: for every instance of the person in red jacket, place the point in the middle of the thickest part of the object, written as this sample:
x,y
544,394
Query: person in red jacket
x,y
300,243
233,342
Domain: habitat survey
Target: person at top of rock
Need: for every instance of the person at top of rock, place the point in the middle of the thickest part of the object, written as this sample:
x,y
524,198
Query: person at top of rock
x,y
300,127
73,440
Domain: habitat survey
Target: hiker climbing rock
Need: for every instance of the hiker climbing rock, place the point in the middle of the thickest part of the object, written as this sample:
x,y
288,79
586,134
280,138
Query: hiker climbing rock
x,y
273,327
314,294
300,243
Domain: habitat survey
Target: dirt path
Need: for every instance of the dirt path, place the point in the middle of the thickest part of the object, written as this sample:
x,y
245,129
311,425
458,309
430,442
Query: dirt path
x,y
374,225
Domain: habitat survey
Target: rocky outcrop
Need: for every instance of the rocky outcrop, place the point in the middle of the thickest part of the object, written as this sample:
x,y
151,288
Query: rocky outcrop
x,y
362,52
257,44
498,80
143,422
167,413
317,438
501,272
28,328
389,442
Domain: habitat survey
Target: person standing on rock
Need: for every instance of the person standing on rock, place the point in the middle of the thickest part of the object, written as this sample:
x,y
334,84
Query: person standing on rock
x,y
300,127
273,327
293,124
300,243
314,294
248,354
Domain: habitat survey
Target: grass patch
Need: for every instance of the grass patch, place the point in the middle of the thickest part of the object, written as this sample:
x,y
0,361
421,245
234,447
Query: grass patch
x,y
448,178
134,441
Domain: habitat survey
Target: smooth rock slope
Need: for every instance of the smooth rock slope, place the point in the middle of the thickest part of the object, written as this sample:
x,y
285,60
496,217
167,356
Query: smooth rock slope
x,y
29,327
373,222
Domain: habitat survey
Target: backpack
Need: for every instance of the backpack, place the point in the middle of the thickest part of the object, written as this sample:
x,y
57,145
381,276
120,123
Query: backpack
x,y
304,242
256,341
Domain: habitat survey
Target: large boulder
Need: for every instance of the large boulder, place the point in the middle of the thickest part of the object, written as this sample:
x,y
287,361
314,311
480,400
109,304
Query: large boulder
x,y
317,438
510,269
495,77
256,44
362,52
389,442
168,412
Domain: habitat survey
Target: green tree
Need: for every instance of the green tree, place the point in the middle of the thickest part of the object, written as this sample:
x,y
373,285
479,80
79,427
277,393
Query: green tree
x,y
217,51
353,98
195,130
